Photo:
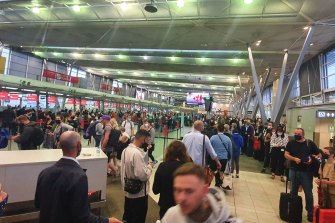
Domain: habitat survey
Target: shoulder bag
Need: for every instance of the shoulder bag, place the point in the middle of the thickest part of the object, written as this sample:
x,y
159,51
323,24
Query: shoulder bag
x,y
229,155
208,171
131,186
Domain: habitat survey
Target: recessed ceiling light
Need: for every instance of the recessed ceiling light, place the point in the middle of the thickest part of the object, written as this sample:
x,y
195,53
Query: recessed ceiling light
x,y
76,54
155,82
180,3
104,71
97,55
120,56
311,44
210,78
170,75
124,6
235,60
145,57
243,73
119,72
173,58
306,27
248,1
76,8
35,10
203,59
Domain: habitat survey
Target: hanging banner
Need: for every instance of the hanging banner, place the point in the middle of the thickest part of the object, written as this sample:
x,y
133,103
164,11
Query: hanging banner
x,y
32,97
59,76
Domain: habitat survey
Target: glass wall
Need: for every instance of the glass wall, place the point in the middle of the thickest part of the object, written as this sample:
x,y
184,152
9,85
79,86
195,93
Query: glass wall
x,y
328,78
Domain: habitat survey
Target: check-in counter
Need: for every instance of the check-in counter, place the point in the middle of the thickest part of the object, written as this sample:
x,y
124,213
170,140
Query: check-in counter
x,y
19,171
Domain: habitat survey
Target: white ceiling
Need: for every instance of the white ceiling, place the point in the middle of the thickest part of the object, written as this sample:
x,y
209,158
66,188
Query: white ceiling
x,y
209,38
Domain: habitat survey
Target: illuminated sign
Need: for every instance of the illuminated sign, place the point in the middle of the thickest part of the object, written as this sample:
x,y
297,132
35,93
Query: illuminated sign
x,y
325,114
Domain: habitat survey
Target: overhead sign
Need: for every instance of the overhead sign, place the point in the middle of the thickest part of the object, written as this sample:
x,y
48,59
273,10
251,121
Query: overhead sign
x,y
59,76
325,114
32,97
3,95
196,98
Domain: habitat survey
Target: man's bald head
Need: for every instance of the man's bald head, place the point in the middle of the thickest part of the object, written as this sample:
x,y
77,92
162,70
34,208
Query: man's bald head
x,y
198,125
69,141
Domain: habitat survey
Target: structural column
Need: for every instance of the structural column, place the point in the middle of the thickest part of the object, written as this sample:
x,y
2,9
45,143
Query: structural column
x,y
280,86
263,87
256,84
294,75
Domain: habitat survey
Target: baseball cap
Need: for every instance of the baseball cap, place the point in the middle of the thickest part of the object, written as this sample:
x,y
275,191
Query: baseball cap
x,y
105,117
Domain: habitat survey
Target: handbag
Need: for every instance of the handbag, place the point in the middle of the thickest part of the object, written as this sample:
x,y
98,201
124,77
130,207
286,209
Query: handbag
x,y
131,186
208,171
229,155
228,179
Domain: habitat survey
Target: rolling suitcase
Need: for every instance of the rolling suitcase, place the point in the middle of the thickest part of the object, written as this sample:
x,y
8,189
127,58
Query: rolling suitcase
x,y
290,207
323,215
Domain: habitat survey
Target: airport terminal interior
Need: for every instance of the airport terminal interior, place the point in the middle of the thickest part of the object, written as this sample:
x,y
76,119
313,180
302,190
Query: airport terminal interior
x,y
167,64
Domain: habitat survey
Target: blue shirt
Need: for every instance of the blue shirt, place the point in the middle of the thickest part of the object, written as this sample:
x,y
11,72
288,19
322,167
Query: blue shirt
x,y
221,147
193,142
238,140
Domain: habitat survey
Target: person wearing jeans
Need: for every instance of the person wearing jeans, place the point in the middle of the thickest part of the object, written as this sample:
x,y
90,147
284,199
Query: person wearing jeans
x,y
237,142
99,130
299,152
223,148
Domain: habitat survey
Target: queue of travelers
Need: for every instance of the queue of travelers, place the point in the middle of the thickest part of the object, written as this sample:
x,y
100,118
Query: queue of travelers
x,y
180,179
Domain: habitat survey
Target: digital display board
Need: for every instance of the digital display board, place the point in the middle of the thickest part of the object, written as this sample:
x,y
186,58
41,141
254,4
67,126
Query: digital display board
x,y
196,98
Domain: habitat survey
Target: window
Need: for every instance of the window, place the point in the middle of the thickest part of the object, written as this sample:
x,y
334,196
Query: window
x,y
5,53
295,92
328,78
81,73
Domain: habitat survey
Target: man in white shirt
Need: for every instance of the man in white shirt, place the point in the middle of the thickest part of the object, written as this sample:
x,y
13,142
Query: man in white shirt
x,y
194,142
128,125
135,165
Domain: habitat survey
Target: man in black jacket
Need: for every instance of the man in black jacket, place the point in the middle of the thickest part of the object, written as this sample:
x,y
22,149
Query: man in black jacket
x,y
62,189
29,133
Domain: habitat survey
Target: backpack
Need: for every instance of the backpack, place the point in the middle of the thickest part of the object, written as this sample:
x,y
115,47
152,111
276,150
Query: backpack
x,y
113,141
91,129
4,136
38,136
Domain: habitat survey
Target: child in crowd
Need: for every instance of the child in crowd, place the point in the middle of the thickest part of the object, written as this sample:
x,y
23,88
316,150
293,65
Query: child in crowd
x,y
327,176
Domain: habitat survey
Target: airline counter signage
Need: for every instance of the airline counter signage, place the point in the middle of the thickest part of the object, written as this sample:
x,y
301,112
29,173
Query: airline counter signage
x,y
59,76
325,114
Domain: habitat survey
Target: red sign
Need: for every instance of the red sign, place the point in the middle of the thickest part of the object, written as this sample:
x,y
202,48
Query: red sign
x,y
106,87
51,99
70,101
114,105
59,76
32,97
83,102
106,104
96,104
14,97
3,95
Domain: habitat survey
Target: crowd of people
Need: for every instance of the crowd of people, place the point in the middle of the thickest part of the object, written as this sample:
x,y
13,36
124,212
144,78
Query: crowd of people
x,y
217,142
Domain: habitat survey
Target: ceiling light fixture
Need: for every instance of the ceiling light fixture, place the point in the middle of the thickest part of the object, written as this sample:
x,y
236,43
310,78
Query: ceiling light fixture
x,y
76,54
97,55
203,59
248,1
180,3
151,7
173,58
258,42
120,56
76,8
35,10
311,44
145,57
124,6
306,27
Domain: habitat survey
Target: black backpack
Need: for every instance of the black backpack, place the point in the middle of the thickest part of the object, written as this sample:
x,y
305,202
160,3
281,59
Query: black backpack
x,y
113,141
38,136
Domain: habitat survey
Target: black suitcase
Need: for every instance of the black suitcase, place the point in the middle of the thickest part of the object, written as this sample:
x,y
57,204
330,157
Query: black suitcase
x,y
290,207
